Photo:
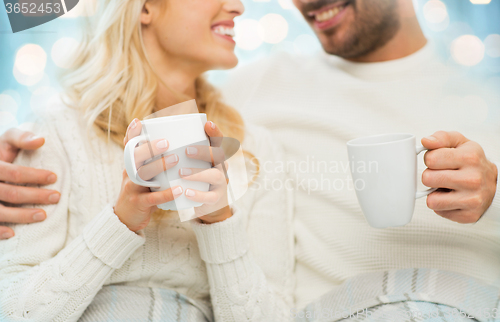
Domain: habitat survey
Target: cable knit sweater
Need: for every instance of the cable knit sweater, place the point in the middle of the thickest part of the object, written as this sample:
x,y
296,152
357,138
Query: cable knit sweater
x,y
314,104
52,270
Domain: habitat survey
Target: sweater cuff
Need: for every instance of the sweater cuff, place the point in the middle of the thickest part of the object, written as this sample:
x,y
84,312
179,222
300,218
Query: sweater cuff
x,y
110,240
224,241
493,211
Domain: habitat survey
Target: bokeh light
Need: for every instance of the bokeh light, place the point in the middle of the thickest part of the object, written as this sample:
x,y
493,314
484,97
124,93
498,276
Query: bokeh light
x,y
492,45
273,28
247,34
8,104
480,1
63,50
467,50
30,60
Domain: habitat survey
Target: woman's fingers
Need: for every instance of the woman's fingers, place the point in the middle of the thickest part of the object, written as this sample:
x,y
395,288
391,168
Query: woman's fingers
x,y
150,170
206,153
212,176
208,198
214,133
148,150
151,199
133,130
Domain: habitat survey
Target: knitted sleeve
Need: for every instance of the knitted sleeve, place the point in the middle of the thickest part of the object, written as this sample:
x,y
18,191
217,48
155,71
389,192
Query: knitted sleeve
x,y
42,276
249,256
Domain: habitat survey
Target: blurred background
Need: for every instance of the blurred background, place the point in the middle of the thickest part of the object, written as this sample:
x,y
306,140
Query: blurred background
x,y
467,33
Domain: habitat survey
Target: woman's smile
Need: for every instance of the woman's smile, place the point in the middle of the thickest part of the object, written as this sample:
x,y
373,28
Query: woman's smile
x,y
224,30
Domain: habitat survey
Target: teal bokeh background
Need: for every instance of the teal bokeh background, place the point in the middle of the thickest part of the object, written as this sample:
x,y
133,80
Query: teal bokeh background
x,y
460,17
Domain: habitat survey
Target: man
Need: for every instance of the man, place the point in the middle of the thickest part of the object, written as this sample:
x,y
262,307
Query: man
x,y
379,76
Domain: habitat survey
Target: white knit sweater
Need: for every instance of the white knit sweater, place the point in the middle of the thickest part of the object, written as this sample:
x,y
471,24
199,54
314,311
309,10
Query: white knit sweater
x,y
51,271
314,105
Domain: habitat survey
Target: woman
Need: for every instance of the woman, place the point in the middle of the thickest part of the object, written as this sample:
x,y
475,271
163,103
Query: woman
x,y
99,255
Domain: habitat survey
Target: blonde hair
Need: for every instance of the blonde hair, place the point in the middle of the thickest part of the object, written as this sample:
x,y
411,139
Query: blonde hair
x,y
111,88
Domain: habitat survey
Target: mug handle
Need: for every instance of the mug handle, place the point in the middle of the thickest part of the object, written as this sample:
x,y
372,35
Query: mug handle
x,y
424,193
130,164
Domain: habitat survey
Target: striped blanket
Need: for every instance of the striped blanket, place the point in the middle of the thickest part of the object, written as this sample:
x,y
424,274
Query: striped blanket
x,y
414,294
120,303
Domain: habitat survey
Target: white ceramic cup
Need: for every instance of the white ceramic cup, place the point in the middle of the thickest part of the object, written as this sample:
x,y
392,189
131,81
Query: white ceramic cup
x,y
384,173
180,131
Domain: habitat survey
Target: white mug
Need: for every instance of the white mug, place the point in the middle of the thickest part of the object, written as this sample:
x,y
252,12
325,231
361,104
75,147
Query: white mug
x,y
180,131
384,173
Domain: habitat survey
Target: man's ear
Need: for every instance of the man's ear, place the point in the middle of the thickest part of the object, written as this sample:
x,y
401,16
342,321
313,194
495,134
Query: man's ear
x,y
147,13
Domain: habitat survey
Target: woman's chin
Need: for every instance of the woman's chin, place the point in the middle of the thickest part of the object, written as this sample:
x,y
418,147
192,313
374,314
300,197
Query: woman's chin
x,y
228,63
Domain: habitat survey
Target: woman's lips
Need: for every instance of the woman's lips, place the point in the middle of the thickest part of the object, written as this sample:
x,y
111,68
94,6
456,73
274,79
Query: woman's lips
x,y
224,29
329,16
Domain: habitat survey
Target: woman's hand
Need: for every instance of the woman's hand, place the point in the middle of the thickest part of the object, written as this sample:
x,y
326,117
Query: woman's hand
x,y
215,206
136,203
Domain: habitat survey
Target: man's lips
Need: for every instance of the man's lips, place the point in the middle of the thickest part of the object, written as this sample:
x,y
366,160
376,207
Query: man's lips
x,y
328,16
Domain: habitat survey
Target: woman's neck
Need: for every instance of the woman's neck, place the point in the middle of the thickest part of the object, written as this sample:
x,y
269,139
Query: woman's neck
x,y
172,91
176,75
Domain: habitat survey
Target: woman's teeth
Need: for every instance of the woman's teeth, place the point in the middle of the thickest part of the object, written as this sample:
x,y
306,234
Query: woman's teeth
x,y
225,31
329,14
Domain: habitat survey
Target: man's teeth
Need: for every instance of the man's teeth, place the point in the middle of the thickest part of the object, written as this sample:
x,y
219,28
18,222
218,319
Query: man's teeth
x,y
329,14
225,31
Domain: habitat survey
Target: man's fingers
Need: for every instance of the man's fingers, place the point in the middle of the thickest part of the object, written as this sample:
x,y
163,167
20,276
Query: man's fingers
x,y
27,195
450,179
22,139
442,139
461,216
21,215
443,159
19,174
445,200
150,170
6,232
157,198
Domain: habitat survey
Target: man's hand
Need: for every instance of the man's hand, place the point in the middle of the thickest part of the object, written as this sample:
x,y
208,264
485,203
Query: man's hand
x,y
10,143
468,181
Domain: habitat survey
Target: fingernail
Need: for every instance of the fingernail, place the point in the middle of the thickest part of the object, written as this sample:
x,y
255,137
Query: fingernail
x,y
7,235
192,151
53,198
133,124
186,172
32,138
177,191
190,193
431,138
212,125
39,216
162,144
51,178
172,159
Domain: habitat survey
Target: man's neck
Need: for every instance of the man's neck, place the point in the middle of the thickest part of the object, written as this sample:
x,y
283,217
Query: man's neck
x,y
408,40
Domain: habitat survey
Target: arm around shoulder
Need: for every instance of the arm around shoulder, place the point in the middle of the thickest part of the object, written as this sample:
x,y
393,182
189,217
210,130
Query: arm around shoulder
x,y
44,278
